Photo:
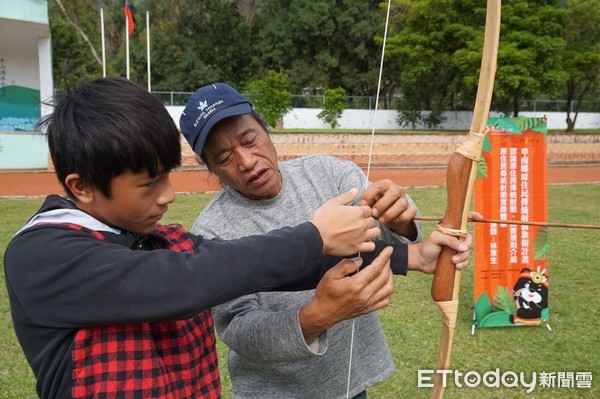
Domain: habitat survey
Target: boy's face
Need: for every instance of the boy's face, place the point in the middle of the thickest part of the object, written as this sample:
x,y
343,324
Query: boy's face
x,y
240,152
137,201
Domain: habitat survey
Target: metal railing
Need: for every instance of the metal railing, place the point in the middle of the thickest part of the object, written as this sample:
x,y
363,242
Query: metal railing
x,y
366,102
298,101
558,106
180,98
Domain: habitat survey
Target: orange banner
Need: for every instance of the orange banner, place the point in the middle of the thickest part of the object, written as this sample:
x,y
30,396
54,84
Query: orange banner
x,y
511,274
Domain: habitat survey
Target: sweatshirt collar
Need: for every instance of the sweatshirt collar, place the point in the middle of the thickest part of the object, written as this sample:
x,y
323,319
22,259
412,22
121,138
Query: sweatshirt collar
x,y
66,215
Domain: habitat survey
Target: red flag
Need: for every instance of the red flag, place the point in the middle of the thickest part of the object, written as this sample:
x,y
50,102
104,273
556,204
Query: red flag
x,y
129,17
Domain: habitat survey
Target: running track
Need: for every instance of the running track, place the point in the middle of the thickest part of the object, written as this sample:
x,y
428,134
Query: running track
x,y
41,183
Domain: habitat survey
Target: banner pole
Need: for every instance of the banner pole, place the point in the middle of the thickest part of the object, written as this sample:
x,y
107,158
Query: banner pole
x,y
127,44
148,48
103,45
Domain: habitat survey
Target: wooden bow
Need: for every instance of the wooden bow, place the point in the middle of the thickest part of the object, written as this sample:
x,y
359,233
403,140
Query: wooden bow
x,y
460,178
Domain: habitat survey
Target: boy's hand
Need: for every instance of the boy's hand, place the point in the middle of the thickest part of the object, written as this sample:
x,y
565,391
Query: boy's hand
x,y
423,257
343,294
345,230
390,207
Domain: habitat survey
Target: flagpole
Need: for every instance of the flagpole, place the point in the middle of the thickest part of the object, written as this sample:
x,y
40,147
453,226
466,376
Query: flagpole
x,y
103,45
127,43
148,48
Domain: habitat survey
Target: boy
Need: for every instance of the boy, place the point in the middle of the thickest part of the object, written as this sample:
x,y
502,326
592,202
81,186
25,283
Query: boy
x,y
106,302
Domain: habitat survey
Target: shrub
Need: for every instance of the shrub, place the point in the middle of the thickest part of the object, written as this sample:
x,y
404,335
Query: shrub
x,y
334,104
273,99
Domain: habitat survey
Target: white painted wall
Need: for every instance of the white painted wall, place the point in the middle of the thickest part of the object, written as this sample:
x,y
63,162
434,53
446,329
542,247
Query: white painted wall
x,y
23,151
22,67
175,112
306,118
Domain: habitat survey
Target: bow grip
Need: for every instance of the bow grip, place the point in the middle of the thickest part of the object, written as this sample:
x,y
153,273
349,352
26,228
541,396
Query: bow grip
x,y
458,181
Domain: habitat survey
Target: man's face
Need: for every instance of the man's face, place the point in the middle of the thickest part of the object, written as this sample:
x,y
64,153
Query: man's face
x,y
240,152
137,201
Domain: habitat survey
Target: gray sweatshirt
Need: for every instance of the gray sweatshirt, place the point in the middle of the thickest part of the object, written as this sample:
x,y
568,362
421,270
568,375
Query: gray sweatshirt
x,y
268,356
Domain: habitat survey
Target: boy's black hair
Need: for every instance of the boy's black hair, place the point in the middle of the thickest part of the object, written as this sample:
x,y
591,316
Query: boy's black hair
x,y
107,126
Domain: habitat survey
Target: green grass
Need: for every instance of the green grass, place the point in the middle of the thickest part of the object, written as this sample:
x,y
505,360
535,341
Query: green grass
x,y
413,326
412,323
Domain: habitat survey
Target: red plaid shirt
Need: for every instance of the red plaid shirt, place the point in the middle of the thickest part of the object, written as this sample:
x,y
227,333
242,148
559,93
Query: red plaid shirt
x,y
171,360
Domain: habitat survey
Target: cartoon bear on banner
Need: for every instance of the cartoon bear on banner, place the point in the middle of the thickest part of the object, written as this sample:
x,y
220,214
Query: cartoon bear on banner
x,y
531,297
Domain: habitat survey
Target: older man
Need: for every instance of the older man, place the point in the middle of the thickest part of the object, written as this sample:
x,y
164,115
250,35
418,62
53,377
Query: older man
x,y
293,345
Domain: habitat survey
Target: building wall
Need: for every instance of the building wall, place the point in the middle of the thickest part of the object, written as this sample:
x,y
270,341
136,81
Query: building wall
x,y
306,118
14,145
25,10
25,81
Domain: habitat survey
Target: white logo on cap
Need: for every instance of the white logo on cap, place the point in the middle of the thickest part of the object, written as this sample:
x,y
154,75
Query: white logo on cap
x,y
203,104
206,110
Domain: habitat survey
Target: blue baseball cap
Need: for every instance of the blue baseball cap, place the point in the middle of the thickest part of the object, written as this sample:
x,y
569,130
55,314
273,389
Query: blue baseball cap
x,y
208,106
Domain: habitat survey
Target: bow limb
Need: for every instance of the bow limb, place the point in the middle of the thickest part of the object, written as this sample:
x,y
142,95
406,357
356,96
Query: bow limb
x,y
460,178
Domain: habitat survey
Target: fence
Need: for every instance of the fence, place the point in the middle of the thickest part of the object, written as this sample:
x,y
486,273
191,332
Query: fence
x,y
175,98
366,102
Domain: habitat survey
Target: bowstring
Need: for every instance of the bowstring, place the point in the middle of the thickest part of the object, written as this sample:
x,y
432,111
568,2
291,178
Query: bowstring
x,y
387,20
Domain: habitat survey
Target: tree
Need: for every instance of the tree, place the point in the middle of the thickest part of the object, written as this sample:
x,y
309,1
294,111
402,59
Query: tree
x,y
320,44
333,106
548,48
358,23
409,114
392,72
198,43
424,43
530,39
193,43
581,58
439,48
75,41
273,99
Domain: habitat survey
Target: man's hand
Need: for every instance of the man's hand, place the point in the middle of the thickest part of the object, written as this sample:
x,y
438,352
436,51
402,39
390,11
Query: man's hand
x,y
345,230
390,207
423,256
343,294
476,216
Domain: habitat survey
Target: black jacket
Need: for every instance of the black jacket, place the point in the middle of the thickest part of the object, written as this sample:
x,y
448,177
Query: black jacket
x,y
61,279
